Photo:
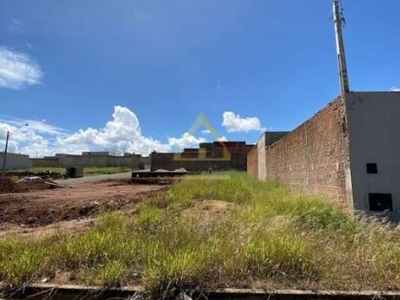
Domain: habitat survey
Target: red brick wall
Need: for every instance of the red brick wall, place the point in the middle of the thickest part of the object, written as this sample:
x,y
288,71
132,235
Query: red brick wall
x,y
313,157
238,160
252,162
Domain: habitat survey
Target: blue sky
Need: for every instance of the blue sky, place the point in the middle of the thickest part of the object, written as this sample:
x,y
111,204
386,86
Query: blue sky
x,y
134,75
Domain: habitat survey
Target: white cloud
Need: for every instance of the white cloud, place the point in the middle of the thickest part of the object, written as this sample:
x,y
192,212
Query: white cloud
x,y
234,123
18,70
222,139
394,89
121,133
15,26
185,141
37,126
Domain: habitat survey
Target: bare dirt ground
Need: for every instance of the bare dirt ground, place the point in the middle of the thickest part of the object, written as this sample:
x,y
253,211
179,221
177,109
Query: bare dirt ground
x,y
35,212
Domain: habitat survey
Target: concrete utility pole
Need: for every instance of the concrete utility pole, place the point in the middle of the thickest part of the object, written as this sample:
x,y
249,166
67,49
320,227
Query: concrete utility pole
x,y
6,146
338,18
5,152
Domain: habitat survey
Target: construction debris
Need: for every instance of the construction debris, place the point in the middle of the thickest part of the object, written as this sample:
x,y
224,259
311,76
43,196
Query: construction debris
x,y
30,179
25,184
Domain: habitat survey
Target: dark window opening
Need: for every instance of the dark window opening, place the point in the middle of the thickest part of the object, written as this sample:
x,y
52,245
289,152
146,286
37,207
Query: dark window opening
x,y
372,168
380,202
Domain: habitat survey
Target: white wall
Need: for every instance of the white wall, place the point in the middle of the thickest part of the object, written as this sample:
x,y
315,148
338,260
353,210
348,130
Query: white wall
x,y
374,128
267,138
261,162
16,161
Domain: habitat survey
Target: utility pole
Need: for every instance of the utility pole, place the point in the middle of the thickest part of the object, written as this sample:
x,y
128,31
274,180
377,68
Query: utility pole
x,y
343,76
6,147
5,152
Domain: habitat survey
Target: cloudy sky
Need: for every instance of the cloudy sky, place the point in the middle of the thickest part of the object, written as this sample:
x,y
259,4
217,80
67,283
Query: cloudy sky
x,y
134,75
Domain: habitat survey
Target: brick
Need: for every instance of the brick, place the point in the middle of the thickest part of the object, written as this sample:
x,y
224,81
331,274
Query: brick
x,y
313,158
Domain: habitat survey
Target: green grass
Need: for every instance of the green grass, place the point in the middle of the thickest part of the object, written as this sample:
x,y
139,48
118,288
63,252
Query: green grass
x,y
270,237
108,170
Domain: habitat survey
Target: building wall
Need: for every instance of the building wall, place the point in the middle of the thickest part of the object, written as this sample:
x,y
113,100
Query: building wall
x,y
16,161
168,162
46,162
145,160
261,163
100,153
328,154
252,162
208,155
257,167
97,161
314,157
273,136
374,124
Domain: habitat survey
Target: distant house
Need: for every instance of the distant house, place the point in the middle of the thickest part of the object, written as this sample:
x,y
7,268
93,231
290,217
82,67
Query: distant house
x,y
230,155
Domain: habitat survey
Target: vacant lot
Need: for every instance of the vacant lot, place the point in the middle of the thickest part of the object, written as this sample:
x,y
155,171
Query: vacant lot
x,y
44,206
206,232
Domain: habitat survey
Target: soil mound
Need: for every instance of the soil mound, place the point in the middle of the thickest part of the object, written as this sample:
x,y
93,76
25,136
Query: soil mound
x,y
7,185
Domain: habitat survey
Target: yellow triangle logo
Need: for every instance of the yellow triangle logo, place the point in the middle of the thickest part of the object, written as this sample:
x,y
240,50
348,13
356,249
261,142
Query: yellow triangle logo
x,y
202,120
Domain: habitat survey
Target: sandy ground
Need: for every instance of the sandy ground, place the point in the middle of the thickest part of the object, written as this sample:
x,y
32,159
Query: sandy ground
x,y
42,212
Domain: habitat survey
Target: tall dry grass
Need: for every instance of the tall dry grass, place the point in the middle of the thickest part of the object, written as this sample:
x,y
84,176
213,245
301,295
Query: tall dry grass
x,y
269,237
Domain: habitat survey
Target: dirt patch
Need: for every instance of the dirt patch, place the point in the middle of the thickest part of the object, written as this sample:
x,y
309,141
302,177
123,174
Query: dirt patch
x,y
44,207
24,232
145,181
8,186
208,210
214,206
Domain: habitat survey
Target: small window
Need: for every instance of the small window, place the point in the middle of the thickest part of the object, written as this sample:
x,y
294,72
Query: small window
x,y
380,202
372,168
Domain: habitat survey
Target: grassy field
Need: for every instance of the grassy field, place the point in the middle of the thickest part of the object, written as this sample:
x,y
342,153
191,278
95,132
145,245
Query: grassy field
x,y
226,232
87,171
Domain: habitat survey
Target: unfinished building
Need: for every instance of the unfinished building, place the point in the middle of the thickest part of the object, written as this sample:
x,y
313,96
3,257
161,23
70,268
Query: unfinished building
x,y
347,151
217,155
